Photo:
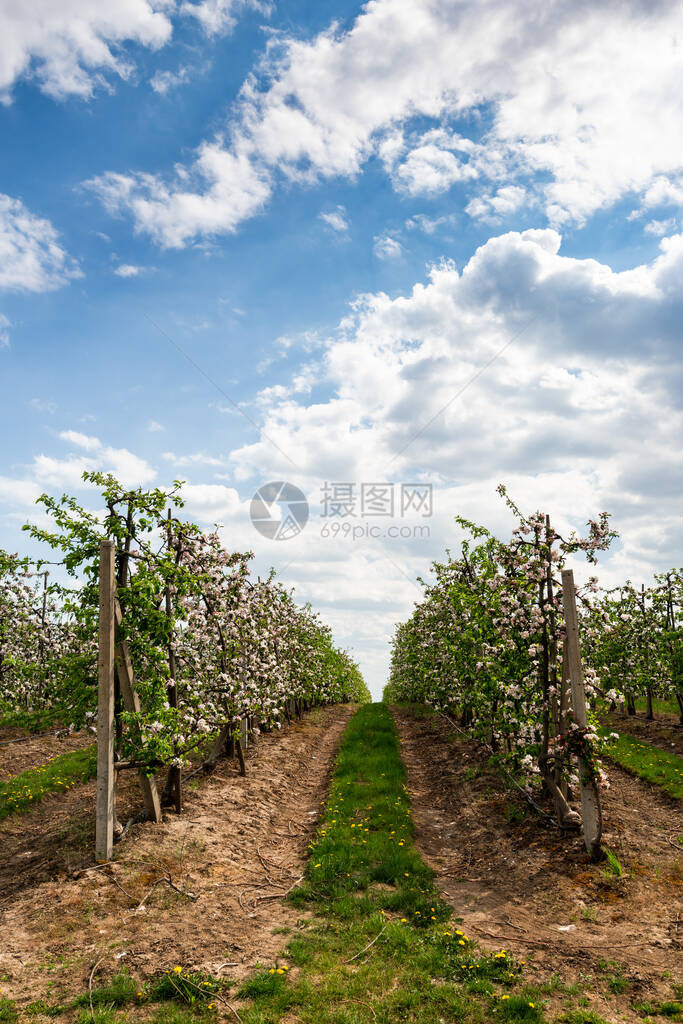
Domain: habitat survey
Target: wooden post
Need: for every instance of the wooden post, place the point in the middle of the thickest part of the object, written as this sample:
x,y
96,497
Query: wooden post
x,y
590,801
104,825
131,700
564,702
175,791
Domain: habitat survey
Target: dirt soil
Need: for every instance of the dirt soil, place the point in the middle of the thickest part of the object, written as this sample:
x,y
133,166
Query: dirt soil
x,y
531,890
203,890
18,751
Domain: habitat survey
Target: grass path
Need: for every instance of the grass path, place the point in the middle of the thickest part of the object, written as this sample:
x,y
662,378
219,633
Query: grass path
x,y
56,776
661,767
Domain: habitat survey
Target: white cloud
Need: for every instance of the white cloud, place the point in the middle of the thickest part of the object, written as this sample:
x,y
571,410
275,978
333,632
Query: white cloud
x,y
217,17
130,469
31,257
661,227
386,248
430,225
336,219
163,81
582,104
75,47
19,492
429,170
68,47
232,189
492,208
197,458
155,427
40,405
130,270
664,191
5,324
85,441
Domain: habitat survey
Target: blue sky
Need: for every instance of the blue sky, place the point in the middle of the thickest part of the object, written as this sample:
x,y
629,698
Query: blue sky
x,y
341,213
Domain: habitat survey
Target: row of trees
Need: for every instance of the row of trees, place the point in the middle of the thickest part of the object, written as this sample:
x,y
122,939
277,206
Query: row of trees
x,y
208,643
486,643
634,640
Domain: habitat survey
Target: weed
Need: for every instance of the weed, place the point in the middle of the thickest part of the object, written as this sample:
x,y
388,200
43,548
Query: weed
x,y
8,1011
120,990
613,865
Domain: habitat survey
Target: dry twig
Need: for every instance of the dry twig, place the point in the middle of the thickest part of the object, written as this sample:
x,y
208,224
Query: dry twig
x,y
365,948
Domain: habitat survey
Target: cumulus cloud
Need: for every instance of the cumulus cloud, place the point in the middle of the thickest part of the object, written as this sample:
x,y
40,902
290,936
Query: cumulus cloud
x,y
74,47
217,17
69,46
428,170
129,468
387,248
429,225
661,227
581,105
90,444
163,81
222,189
551,405
336,219
131,270
492,208
31,256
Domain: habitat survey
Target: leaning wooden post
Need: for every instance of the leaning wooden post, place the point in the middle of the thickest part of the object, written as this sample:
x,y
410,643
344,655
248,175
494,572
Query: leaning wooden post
x,y
104,826
131,702
590,801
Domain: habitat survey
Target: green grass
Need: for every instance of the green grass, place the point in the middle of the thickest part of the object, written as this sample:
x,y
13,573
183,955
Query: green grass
x,y
660,767
61,773
380,946
659,706
8,1011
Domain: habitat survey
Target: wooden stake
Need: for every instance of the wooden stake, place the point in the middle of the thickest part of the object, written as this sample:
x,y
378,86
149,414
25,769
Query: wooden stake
x,y
175,790
131,700
590,806
104,824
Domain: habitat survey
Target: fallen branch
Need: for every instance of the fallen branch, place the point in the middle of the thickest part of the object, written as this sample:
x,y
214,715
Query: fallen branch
x,y
160,881
92,975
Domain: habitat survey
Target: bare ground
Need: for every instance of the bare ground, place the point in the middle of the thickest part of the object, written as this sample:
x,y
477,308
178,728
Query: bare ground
x,y
203,890
531,890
